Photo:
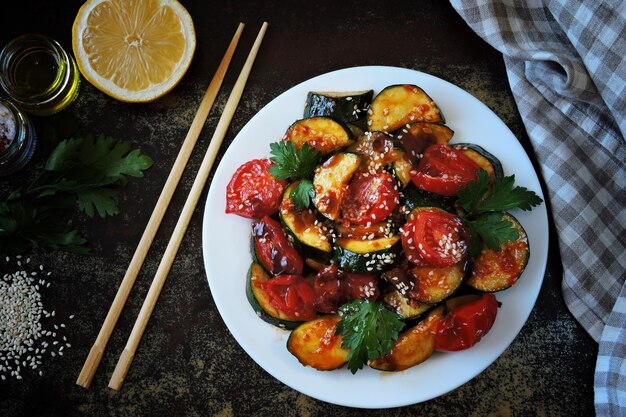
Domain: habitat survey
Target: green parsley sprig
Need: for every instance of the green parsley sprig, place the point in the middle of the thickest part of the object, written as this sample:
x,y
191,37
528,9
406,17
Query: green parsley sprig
x,y
484,214
293,164
368,329
85,172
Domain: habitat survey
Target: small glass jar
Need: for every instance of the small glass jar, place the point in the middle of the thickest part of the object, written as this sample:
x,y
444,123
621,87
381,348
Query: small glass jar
x,y
38,75
17,138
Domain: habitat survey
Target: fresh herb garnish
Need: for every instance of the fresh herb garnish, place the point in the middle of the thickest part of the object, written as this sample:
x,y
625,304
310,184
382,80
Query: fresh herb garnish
x,y
293,164
484,214
368,330
80,171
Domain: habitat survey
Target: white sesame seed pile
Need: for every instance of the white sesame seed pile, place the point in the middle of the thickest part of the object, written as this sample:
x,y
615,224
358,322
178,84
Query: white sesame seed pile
x,y
24,340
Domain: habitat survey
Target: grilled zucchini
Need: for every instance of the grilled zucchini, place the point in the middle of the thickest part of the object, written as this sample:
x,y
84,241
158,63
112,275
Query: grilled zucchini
x,y
345,107
330,180
498,270
416,137
259,299
413,347
397,105
306,229
315,344
321,133
367,255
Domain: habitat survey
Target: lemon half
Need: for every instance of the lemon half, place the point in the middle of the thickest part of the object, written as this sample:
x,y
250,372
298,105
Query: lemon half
x,y
133,50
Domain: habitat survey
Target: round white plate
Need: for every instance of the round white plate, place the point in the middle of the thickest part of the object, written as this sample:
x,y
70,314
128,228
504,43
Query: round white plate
x,y
227,258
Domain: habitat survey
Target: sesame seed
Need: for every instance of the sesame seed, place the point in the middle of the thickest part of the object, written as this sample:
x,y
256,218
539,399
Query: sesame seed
x,y
22,329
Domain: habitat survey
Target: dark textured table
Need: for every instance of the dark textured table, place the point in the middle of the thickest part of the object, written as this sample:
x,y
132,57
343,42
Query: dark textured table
x,y
188,363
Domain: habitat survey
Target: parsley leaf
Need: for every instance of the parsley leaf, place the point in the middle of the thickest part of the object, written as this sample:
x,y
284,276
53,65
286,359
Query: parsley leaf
x,y
291,163
81,164
470,195
100,200
368,330
301,195
505,197
494,231
484,209
24,225
80,172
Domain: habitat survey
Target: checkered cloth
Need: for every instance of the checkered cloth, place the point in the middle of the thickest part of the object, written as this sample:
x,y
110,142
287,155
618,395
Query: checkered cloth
x,y
565,60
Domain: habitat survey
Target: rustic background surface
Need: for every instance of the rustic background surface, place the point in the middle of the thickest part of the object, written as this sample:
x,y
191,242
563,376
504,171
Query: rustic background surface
x,y
188,363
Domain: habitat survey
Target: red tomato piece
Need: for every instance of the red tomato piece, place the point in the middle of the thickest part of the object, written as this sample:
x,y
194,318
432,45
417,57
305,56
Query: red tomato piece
x,y
293,295
273,250
463,326
328,290
334,287
444,170
361,286
370,198
408,245
253,192
434,237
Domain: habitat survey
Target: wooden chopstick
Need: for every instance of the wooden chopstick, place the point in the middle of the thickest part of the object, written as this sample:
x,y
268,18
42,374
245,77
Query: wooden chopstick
x,y
95,354
128,353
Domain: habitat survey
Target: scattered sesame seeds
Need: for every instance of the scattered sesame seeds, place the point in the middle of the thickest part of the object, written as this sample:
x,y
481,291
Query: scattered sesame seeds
x,y
23,339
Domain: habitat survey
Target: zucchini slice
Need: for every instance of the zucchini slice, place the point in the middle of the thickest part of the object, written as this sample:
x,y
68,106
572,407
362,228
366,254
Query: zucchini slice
x,y
426,284
434,284
315,344
402,168
315,265
330,180
406,307
498,270
345,107
484,159
305,228
413,347
416,137
377,150
367,255
397,105
260,300
321,133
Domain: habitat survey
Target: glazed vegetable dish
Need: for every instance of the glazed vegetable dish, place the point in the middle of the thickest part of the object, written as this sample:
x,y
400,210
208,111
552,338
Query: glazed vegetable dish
x,y
375,239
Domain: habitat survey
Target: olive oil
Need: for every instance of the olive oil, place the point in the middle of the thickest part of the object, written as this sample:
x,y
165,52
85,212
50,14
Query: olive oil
x,y
38,75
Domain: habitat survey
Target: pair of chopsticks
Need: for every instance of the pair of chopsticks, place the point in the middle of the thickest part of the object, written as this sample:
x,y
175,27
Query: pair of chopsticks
x,y
95,354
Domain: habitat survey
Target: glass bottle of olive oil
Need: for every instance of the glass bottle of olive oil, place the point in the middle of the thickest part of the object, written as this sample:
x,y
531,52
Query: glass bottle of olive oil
x,y
38,75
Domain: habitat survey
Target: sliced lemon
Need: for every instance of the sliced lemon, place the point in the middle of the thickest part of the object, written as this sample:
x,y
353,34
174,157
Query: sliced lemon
x,y
133,50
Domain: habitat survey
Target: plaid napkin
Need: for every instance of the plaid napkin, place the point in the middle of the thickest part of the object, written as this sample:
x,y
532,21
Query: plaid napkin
x,y
566,65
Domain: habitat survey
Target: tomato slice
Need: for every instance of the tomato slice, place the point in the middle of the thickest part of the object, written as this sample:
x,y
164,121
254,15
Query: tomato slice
x,y
293,295
370,198
444,170
464,325
273,250
328,290
334,287
361,286
434,237
409,246
253,192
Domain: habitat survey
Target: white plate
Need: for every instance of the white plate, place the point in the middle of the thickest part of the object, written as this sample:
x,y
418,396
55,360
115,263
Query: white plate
x,y
227,258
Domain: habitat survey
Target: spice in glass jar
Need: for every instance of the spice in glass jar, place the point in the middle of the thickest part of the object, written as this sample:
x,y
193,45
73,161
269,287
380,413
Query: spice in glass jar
x,y
7,128
17,138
